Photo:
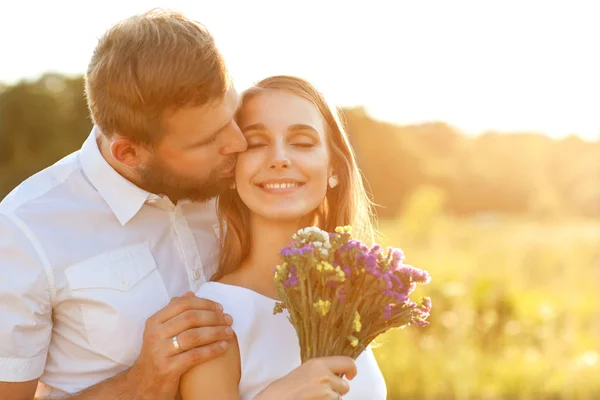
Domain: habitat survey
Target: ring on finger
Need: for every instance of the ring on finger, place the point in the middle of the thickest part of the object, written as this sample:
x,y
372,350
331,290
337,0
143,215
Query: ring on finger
x,y
176,344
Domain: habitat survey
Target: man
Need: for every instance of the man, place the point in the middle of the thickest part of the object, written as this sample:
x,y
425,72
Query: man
x,y
100,253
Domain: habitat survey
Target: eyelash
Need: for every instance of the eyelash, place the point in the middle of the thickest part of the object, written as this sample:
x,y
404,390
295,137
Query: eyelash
x,y
302,145
206,143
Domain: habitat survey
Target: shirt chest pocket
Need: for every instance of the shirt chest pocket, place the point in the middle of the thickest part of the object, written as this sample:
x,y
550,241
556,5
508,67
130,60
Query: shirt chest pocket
x,y
116,292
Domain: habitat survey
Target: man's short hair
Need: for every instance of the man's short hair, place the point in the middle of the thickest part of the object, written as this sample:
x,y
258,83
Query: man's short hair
x,y
149,65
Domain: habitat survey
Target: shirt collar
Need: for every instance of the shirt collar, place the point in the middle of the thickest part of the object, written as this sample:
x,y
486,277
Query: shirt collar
x,y
123,197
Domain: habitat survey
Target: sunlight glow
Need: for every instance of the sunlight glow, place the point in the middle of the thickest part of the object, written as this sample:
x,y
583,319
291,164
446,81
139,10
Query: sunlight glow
x,y
505,66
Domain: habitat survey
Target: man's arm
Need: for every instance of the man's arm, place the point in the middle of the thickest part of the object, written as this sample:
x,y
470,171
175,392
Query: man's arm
x,y
157,372
200,329
18,390
26,328
25,311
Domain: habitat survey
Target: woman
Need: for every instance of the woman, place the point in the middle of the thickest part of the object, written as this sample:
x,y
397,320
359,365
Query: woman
x,y
299,170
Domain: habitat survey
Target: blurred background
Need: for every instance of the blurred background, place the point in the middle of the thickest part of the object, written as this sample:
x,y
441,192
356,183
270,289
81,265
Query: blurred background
x,y
477,127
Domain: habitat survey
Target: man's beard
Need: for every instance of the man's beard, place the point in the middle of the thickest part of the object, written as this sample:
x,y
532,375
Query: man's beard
x,y
155,177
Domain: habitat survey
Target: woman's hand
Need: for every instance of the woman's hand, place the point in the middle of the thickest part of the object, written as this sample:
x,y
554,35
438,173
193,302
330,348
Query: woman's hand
x,y
316,379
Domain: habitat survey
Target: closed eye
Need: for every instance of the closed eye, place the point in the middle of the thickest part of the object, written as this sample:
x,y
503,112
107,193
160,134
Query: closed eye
x,y
304,145
256,145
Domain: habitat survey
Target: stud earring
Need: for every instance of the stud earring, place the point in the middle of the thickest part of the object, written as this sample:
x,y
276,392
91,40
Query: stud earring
x,y
333,181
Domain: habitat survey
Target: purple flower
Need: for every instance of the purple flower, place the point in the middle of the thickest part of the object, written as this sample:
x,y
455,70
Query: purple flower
x,y
411,304
292,279
296,251
396,281
414,274
387,310
400,297
346,270
412,287
397,257
421,313
341,294
288,251
370,260
427,304
388,281
373,271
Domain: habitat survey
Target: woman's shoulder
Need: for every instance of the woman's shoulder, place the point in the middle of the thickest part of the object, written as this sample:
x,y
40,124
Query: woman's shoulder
x,y
235,299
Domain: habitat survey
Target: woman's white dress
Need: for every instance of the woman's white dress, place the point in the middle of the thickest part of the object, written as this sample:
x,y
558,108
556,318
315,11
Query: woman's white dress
x,y
269,346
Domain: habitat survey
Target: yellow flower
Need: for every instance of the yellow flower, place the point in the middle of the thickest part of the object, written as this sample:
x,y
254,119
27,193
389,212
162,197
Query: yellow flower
x,y
353,341
324,266
278,272
356,325
344,229
322,306
279,307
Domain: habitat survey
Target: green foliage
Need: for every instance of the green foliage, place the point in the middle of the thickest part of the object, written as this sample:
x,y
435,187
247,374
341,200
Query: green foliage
x,y
44,120
40,123
514,312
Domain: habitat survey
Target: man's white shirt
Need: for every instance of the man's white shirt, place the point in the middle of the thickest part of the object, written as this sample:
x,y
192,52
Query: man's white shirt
x,y
85,258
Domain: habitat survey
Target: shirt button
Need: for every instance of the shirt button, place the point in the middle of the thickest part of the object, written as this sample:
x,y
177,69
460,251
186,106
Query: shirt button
x,y
196,274
124,283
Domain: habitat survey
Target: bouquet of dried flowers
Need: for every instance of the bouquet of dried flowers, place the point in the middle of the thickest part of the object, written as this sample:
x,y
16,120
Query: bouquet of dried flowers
x,y
341,295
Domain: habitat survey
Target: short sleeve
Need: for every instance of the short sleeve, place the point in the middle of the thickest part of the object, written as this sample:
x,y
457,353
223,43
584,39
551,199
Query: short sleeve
x,y
25,303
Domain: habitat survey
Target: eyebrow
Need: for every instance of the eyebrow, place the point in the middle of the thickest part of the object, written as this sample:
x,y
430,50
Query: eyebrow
x,y
255,127
302,127
293,128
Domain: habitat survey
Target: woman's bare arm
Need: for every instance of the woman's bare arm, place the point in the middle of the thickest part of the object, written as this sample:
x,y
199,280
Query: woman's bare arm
x,y
217,379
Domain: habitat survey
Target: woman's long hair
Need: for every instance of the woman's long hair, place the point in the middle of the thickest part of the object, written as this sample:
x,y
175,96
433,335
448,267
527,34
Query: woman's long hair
x,y
346,204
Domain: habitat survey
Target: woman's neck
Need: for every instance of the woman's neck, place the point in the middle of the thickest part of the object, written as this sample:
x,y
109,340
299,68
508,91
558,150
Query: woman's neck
x,y
268,238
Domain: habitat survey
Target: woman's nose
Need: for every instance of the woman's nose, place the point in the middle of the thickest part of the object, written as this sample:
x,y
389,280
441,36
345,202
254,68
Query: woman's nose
x,y
279,158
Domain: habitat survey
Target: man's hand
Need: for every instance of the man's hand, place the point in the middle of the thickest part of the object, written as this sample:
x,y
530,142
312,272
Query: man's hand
x,y
316,379
201,329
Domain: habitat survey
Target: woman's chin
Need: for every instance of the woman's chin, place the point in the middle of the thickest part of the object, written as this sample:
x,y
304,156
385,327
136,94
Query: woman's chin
x,y
284,215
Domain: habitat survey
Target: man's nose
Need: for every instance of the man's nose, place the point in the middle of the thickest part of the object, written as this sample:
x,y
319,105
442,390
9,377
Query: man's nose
x,y
235,141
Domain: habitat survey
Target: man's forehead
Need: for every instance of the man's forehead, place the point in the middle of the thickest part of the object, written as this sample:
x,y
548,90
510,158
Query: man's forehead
x,y
232,97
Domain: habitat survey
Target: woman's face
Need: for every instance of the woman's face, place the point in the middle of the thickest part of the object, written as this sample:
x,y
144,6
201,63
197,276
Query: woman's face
x,y
283,174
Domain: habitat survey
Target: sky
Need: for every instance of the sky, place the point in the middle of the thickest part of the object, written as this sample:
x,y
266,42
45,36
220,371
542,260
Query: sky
x,y
477,65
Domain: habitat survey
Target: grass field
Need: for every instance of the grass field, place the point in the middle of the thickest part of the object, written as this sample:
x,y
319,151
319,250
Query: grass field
x,y
516,310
